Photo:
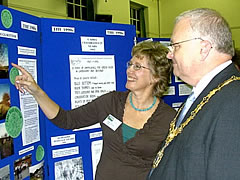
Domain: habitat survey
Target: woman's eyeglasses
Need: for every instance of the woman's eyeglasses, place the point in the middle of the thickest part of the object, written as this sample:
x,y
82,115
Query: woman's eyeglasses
x,y
136,66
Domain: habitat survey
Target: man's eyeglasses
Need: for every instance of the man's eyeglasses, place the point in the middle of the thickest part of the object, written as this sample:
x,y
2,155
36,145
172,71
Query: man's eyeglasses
x,y
136,67
173,45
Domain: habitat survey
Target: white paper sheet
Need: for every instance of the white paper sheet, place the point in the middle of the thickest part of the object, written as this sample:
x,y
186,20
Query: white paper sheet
x,y
29,106
91,77
96,154
65,139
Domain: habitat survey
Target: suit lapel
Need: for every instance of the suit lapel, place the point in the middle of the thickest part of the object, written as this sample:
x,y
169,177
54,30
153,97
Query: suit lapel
x,y
218,79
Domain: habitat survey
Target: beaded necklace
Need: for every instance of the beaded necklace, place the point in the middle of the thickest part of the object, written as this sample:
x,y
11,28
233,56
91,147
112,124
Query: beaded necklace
x,y
137,109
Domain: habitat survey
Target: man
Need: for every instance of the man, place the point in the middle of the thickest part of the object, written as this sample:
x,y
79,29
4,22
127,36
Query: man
x,y
206,144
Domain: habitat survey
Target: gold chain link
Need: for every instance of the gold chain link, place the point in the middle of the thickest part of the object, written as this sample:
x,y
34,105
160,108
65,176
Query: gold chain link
x,y
173,131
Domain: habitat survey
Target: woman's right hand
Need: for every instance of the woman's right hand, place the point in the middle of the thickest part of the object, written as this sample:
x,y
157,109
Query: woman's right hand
x,y
25,81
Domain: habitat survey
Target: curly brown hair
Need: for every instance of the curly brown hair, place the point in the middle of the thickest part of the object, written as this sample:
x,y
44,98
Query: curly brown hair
x,y
160,65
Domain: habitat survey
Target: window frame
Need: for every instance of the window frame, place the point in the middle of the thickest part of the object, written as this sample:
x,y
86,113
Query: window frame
x,y
4,2
77,5
138,20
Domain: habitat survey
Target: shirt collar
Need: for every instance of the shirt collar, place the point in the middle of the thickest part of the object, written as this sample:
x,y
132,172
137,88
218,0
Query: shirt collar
x,y
208,77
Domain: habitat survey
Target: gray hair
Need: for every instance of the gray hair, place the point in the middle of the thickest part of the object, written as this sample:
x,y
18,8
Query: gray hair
x,y
209,24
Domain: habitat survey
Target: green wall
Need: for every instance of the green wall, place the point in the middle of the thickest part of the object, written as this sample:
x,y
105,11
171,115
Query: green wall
x,y
160,14
120,10
228,8
40,8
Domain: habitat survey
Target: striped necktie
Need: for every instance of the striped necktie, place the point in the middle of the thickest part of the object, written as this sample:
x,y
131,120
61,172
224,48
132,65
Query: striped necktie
x,y
186,107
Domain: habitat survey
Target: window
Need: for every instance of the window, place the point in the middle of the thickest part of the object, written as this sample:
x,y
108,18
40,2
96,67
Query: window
x,y
4,2
77,9
137,19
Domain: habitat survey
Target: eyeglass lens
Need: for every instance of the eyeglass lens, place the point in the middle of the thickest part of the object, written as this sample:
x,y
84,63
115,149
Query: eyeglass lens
x,y
135,66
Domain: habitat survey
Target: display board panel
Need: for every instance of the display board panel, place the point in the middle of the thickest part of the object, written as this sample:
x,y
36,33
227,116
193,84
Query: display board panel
x,y
51,50
81,61
22,133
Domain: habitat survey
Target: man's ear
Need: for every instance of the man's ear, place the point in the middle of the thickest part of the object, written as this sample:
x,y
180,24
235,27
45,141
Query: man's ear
x,y
206,47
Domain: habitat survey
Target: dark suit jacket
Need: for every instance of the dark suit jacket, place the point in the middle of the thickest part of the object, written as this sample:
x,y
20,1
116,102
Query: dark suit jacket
x,y
209,146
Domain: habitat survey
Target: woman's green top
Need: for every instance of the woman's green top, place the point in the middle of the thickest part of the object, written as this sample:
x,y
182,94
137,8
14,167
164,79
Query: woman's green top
x,y
128,132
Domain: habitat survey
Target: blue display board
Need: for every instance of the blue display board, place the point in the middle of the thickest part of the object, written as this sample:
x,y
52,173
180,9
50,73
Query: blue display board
x,y
118,40
44,46
20,40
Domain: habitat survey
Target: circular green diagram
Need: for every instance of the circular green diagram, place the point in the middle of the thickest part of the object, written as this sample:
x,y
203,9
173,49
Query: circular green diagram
x,y
6,18
12,75
14,121
39,153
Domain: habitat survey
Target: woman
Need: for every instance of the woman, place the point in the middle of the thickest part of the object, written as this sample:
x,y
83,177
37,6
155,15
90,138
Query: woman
x,y
134,123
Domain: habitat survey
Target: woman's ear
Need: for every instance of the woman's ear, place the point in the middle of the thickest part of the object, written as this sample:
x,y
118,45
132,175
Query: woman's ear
x,y
154,80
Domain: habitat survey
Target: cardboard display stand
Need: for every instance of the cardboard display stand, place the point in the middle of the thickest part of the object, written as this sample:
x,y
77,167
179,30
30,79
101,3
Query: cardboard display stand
x,y
51,49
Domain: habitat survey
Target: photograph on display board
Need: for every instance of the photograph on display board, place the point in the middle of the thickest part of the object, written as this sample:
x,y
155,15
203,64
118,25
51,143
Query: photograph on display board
x,y
37,171
4,61
5,173
4,100
6,143
21,167
177,79
69,169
